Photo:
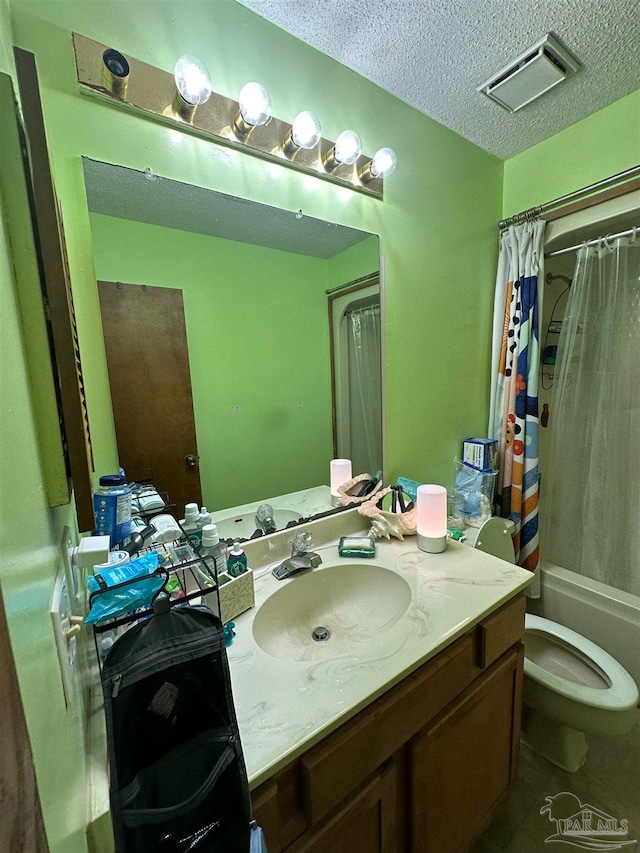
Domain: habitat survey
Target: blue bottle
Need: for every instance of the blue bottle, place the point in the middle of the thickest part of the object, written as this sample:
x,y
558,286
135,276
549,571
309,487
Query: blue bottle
x,y
112,508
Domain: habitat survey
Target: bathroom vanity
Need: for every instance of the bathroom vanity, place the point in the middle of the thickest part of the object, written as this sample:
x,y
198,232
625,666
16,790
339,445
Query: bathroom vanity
x,y
423,768
401,731
404,739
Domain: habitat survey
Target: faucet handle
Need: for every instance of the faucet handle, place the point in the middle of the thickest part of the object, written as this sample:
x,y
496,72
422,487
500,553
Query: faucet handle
x,y
302,543
264,518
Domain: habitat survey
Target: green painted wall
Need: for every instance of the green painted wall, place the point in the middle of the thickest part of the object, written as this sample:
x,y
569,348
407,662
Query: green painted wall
x,y
358,261
258,338
444,186
600,145
437,232
30,534
6,38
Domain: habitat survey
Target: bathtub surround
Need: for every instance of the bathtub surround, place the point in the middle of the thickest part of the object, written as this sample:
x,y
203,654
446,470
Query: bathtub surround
x,y
513,417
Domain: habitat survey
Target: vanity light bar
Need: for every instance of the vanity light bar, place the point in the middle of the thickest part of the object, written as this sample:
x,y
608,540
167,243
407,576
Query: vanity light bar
x,y
105,73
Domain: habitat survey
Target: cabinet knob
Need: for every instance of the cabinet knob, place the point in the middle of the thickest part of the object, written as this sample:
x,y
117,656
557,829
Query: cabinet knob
x,y
191,461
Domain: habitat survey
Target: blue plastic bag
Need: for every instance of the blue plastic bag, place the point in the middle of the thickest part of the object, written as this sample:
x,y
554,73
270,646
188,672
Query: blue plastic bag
x,y
141,587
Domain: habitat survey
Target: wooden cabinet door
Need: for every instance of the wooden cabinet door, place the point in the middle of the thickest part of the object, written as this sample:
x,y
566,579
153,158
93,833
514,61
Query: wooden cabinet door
x,y
463,763
145,341
365,822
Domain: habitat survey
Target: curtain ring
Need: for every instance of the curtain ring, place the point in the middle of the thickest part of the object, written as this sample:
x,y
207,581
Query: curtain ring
x,y
634,235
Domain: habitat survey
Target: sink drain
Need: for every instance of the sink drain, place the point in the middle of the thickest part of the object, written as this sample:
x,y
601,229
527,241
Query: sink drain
x,y
321,634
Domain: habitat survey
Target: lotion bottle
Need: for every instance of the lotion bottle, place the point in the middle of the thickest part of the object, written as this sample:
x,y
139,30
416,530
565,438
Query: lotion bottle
x,y
237,562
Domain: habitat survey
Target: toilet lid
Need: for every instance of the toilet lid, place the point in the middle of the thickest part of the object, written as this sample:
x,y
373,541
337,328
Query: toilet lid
x,y
494,537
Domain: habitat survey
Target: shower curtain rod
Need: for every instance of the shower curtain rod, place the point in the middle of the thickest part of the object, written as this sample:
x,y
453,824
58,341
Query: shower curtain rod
x,y
535,212
356,284
592,242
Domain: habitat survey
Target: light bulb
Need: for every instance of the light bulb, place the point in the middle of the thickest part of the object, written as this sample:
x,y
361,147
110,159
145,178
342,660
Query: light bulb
x,y
384,163
348,147
306,130
193,80
115,72
255,104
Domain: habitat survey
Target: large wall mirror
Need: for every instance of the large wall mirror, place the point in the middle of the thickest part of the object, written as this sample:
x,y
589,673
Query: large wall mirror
x,y
250,317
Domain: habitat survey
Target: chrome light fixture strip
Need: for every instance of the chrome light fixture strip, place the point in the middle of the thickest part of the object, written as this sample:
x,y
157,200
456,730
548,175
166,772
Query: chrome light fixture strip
x,y
151,92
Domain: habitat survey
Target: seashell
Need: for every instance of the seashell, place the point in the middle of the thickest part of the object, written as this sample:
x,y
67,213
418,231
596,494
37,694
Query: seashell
x,y
387,524
346,499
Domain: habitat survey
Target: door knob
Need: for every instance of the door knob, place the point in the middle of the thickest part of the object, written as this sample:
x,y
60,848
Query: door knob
x,y
191,461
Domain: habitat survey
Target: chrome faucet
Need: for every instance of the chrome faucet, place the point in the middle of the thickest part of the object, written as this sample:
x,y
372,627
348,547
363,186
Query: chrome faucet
x,y
302,557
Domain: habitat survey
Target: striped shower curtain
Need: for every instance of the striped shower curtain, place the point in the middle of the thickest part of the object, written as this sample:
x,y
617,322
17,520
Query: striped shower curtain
x,y
513,418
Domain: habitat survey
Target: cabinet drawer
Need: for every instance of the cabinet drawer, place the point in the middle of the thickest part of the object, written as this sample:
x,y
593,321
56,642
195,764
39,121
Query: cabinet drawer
x,y
364,822
500,631
347,758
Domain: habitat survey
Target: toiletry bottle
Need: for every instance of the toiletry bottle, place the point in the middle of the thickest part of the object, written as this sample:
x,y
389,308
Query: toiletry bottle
x,y
166,527
204,518
237,562
191,513
214,548
112,508
190,523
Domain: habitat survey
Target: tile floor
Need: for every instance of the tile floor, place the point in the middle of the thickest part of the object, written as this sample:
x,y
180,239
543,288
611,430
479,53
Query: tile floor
x,y
608,781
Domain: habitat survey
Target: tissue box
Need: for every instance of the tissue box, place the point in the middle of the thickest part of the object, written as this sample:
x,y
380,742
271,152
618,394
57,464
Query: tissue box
x,y
236,594
480,453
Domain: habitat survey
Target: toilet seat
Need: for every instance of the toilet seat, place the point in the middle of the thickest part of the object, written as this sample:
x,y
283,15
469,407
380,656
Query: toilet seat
x,y
494,537
620,695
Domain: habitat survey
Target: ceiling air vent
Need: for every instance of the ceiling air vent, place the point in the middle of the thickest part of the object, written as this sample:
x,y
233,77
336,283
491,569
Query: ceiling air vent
x,y
532,74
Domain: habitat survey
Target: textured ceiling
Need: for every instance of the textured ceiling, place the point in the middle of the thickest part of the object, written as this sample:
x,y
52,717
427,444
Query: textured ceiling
x,y
129,194
433,54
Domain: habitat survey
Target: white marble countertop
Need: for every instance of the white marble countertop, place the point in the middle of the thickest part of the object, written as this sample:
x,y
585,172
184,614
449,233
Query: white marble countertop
x,y
286,706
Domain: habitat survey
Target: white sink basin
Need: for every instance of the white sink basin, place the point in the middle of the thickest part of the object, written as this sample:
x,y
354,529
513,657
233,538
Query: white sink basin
x,y
354,602
243,526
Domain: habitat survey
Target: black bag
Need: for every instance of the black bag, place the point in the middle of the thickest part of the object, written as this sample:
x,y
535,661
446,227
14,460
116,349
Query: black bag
x,y
178,782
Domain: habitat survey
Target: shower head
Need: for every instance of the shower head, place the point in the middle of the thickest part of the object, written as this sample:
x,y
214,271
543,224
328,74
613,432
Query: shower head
x,y
549,278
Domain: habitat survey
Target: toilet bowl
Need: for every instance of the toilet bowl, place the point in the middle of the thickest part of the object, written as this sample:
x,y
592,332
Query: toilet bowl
x,y
571,685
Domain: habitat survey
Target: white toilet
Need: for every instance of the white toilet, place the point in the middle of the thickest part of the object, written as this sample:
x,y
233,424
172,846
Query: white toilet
x,y
571,685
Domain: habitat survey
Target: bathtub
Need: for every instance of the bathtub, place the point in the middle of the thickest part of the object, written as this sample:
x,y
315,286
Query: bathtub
x,y
605,615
